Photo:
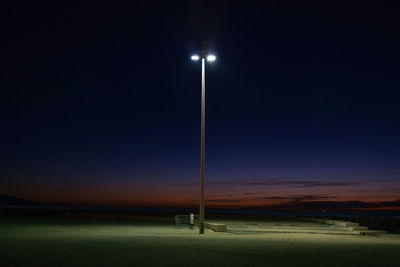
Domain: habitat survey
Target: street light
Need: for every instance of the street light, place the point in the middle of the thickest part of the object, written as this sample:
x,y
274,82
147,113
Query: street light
x,y
211,58
203,54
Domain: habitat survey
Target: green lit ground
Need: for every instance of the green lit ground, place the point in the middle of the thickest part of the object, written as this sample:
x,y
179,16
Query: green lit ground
x,y
100,242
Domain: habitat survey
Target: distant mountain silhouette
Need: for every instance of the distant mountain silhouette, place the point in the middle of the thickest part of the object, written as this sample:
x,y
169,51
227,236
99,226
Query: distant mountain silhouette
x,y
11,200
336,205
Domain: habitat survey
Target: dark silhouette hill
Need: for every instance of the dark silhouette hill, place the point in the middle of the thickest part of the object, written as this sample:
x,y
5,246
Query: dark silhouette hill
x,y
11,200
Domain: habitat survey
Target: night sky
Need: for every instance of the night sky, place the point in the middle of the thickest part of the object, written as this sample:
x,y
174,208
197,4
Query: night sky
x,y
100,105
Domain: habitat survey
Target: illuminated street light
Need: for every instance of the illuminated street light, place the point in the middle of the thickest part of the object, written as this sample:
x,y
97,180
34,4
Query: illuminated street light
x,y
203,54
211,58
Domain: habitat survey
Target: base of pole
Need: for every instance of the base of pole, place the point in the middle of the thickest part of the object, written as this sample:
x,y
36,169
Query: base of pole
x,y
201,228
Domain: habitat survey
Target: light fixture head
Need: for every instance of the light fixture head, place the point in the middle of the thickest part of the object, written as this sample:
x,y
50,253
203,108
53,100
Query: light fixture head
x,y
211,58
195,57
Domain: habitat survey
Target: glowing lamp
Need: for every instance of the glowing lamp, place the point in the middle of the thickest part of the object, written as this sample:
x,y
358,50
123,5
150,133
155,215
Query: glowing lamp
x,y
211,58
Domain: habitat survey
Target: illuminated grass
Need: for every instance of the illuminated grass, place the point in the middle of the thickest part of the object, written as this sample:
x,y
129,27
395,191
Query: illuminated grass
x,y
84,242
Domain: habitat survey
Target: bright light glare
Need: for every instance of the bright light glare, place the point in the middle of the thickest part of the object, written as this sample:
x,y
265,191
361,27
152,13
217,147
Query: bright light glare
x,y
211,58
195,57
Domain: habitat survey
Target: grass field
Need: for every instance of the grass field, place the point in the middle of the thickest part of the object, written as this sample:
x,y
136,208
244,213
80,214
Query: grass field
x,y
101,242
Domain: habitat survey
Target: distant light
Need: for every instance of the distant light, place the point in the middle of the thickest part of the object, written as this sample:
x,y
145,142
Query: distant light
x,y
195,57
211,58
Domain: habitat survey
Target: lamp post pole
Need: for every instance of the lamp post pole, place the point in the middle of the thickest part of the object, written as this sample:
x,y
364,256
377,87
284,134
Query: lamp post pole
x,y
204,56
203,133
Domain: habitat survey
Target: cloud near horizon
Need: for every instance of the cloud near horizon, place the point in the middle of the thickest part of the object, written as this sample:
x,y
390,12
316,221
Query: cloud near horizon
x,y
297,182
299,190
272,199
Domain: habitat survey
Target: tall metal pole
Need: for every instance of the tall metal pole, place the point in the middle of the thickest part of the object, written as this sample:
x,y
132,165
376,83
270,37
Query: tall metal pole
x,y
203,133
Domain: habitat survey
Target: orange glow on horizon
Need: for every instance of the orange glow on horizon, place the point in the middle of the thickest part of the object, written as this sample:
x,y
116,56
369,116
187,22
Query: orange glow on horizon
x,y
162,194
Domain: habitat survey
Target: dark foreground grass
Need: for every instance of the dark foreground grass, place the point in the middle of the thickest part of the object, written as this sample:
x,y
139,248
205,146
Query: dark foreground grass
x,y
89,242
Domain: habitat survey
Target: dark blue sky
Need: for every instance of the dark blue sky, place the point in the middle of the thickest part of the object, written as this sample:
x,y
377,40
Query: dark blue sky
x,y
101,105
